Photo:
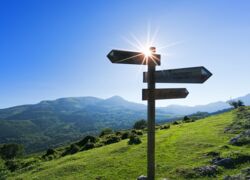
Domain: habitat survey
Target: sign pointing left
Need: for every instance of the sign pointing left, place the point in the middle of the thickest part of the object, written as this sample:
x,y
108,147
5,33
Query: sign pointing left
x,y
131,57
169,93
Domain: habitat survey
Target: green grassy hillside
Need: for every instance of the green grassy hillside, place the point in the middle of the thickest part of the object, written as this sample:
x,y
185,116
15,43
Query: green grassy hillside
x,y
179,150
58,122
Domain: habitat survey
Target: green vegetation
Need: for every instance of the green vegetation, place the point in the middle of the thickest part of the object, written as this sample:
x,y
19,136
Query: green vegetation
x,y
10,151
141,124
106,131
197,150
236,104
56,123
241,127
134,139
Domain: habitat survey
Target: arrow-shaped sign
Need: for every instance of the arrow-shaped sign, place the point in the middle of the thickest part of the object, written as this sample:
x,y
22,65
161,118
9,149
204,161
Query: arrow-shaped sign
x,y
130,57
183,75
172,93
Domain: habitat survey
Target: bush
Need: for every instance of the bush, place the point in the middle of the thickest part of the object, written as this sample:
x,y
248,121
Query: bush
x,y
125,135
87,139
137,132
50,152
165,126
88,146
134,139
10,151
106,131
12,165
118,133
112,139
141,124
176,123
16,164
71,150
187,119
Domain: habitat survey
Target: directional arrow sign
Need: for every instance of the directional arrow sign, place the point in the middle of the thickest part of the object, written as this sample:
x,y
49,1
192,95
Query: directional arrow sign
x,y
130,57
183,75
173,93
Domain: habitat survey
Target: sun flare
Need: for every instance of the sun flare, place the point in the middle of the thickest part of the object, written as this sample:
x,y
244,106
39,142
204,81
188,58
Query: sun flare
x,y
147,46
147,52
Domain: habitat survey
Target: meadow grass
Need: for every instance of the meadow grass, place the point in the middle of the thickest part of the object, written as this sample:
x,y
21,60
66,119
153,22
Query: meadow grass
x,y
181,147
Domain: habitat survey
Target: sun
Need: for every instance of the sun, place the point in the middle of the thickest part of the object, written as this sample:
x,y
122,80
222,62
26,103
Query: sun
x,y
146,46
147,52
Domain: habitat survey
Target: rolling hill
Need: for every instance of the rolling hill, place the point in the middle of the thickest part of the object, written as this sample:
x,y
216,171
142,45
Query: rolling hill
x,y
53,123
185,151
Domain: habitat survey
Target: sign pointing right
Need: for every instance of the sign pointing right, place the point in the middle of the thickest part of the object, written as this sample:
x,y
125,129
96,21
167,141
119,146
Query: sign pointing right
x,y
183,75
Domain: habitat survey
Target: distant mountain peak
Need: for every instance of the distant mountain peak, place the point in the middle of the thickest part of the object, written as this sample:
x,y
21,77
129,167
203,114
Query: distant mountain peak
x,y
115,98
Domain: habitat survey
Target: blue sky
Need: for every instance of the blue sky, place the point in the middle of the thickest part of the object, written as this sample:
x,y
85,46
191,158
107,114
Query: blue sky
x,y
57,48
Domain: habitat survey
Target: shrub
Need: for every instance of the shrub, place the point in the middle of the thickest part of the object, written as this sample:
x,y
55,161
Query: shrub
x,y
134,139
87,139
141,124
125,135
12,165
106,131
118,133
137,132
50,152
10,151
176,123
112,139
133,131
187,119
88,146
16,164
71,150
165,126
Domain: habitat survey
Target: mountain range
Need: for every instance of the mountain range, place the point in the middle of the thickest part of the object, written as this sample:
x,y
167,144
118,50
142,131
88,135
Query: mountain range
x,y
53,123
210,108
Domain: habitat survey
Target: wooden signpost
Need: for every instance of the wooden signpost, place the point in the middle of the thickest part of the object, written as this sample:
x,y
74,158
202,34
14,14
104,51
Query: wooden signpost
x,y
174,93
130,57
184,75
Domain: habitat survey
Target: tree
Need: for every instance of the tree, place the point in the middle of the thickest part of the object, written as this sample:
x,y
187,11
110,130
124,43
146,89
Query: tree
x,y
87,139
141,124
10,151
240,103
106,131
236,104
186,118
